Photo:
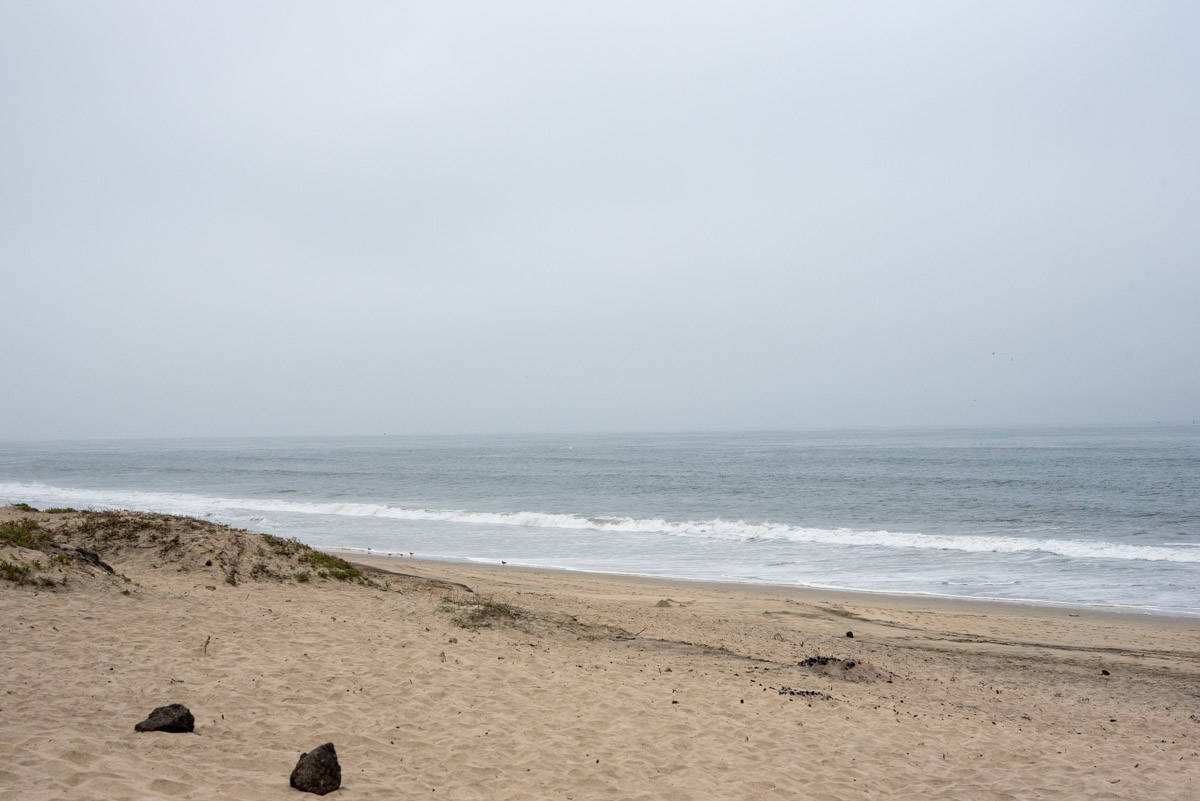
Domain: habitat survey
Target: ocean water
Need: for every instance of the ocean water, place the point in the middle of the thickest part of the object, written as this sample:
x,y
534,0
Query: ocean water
x,y
1081,516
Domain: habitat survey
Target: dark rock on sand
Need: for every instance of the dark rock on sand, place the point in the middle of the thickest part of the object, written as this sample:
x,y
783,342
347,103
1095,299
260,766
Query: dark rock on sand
x,y
318,771
174,717
850,634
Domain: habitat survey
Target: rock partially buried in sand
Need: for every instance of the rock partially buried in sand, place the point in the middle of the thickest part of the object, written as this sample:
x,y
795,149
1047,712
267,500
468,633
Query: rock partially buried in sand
x,y
845,669
173,717
318,771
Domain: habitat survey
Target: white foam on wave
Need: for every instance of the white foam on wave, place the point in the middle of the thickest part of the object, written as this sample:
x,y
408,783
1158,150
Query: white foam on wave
x,y
206,506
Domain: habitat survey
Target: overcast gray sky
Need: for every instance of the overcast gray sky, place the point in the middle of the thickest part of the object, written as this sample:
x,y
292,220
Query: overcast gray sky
x,y
308,218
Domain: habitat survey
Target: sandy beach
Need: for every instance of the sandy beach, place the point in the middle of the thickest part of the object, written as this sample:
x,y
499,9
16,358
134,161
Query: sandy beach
x,y
462,681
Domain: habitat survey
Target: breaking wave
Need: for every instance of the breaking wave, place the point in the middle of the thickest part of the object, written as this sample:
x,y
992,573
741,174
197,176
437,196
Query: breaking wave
x,y
206,506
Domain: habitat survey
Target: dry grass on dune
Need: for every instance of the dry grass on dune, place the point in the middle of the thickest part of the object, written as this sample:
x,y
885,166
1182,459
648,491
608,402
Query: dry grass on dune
x,y
64,549
57,547
60,549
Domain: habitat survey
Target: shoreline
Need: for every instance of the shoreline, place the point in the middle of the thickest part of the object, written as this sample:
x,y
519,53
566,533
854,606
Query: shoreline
x,y
468,681
886,597
1140,578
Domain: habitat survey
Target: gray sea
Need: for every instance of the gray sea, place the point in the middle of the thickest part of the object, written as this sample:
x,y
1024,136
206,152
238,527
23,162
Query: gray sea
x,y
1079,516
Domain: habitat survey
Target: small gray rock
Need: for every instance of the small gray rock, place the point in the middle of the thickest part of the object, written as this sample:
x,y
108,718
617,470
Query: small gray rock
x,y
318,771
174,717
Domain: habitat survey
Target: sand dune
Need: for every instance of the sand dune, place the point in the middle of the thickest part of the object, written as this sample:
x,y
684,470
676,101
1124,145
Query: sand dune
x,y
541,684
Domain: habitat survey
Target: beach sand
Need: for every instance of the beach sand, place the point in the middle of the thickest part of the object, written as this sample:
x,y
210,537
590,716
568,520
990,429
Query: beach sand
x,y
556,685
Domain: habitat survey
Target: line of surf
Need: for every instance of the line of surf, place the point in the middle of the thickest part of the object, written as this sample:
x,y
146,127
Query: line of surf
x,y
216,507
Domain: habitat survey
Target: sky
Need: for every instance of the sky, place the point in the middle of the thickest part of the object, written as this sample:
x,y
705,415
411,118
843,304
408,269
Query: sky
x,y
294,218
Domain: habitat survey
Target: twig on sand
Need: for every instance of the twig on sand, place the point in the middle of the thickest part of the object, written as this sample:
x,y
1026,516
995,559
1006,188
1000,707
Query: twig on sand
x,y
206,642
